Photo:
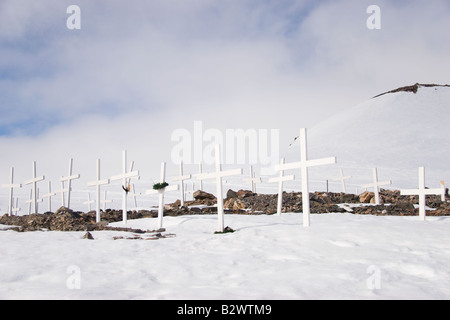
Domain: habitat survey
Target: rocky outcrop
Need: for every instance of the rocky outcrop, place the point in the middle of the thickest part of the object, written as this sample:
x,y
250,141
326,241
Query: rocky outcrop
x,y
237,202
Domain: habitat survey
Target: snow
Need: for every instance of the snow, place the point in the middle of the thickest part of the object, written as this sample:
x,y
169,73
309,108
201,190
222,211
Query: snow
x,y
341,256
268,257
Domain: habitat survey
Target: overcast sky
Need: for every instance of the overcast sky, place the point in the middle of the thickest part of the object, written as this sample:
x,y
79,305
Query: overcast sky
x,y
138,70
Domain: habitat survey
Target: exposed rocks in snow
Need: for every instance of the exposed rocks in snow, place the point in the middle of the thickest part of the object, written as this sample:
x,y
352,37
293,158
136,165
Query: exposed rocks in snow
x,y
413,88
237,202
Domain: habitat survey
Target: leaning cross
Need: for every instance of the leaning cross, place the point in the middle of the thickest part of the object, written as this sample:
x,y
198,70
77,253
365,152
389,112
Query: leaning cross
x,y
376,184
304,164
280,181
69,179
342,179
161,192
34,181
97,183
11,186
218,175
422,192
125,177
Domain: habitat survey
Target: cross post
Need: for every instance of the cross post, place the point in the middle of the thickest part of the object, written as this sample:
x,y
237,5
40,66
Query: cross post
x,y
34,181
422,192
303,165
11,186
376,184
280,181
97,183
218,175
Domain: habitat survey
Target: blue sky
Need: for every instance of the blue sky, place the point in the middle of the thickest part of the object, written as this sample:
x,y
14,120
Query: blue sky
x,y
148,56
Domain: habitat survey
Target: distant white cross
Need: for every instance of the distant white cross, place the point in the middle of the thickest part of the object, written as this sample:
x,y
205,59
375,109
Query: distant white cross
x,y
280,181
253,180
31,201
376,185
304,164
49,195
89,202
97,183
443,194
34,181
181,179
69,179
16,208
11,186
342,178
105,201
125,177
161,192
218,175
422,192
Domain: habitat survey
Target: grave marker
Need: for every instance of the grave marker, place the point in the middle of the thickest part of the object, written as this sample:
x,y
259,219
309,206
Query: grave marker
x,y
11,187
422,192
161,192
69,179
252,180
342,178
280,181
218,175
125,177
97,183
105,201
181,179
49,195
304,164
376,184
34,181
89,202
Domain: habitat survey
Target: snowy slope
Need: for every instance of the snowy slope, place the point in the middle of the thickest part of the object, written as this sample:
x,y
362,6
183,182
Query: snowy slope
x,y
395,132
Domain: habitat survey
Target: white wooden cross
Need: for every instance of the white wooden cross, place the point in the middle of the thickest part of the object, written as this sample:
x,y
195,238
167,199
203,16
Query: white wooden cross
x,y
11,186
422,192
134,194
69,179
342,178
31,201
97,183
280,181
304,164
376,184
218,175
49,195
125,177
34,181
16,208
181,179
253,180
161,192
105,201
89,202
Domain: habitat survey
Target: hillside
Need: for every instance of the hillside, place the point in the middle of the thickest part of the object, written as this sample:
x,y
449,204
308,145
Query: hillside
x,y
396,132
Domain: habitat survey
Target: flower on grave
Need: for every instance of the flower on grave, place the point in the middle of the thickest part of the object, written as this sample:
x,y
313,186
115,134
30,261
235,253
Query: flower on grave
x,y
160,185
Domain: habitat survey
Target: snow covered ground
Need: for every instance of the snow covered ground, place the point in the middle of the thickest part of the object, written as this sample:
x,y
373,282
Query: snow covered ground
x,y
341,256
